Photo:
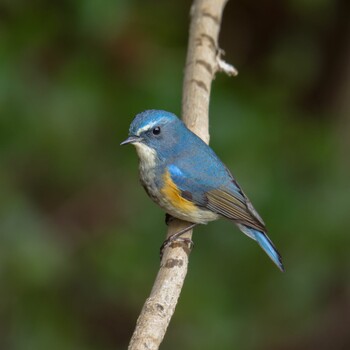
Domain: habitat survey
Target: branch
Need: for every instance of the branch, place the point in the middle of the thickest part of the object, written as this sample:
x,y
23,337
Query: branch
x,y
203,61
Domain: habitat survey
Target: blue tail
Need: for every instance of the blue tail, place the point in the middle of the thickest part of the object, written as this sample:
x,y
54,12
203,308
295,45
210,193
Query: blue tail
x,y
265,243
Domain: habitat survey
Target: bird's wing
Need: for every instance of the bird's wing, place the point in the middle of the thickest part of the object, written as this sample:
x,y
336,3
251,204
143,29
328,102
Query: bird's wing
x,y
227,204
219,193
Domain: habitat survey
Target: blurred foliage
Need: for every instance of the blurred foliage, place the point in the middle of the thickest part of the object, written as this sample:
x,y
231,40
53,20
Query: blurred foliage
x,y
79,239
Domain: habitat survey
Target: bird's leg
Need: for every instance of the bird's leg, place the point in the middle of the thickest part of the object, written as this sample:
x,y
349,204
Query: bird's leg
x,y
168,219
176,237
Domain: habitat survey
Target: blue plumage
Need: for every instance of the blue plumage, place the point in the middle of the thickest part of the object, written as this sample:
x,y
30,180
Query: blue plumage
x,y
185,177
266,244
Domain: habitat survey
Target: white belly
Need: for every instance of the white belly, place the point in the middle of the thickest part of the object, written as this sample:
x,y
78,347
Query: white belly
x,y
200,216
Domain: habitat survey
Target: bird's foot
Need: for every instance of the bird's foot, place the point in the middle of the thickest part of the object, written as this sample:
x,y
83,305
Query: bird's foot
x,y
187,242
176,237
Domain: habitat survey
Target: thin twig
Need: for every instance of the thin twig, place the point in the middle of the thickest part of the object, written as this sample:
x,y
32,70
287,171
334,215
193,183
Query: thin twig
x,y
201,65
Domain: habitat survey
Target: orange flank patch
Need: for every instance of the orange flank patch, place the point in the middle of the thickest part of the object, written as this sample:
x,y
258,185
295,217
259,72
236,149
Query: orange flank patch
x,y
172,193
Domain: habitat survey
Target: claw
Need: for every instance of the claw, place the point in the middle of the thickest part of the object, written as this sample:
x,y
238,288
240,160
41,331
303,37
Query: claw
x,y
176,237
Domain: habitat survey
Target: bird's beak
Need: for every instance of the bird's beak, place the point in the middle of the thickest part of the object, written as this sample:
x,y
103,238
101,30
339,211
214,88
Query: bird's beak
x,y
131,139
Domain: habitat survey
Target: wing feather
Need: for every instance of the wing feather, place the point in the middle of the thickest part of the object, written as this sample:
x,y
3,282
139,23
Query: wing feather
x,y
228,201
233,208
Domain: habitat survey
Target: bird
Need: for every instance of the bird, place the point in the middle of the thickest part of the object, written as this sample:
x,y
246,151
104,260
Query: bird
x,y
185,177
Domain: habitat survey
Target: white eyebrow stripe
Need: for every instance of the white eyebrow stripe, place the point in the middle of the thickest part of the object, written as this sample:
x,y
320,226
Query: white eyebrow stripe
x,y
147,127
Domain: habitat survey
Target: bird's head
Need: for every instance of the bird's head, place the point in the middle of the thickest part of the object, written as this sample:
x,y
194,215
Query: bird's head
x,y
155,132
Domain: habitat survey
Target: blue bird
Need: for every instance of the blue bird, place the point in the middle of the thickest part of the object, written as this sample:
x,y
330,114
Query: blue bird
x,y
184,176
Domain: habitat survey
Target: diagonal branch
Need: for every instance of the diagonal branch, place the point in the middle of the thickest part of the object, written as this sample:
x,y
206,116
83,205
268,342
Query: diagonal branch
x,y
203,61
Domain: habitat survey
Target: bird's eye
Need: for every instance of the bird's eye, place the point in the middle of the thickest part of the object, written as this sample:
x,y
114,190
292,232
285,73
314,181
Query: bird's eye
x,y
156,130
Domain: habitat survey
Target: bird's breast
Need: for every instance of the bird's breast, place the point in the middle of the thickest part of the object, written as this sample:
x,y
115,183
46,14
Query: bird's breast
x,y
160,187
147,169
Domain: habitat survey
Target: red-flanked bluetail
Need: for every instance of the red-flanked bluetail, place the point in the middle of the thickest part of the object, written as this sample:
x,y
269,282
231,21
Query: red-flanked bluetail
x,y
184,176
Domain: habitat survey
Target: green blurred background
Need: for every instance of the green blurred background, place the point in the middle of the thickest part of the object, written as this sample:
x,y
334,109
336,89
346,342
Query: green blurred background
x,y
79,239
